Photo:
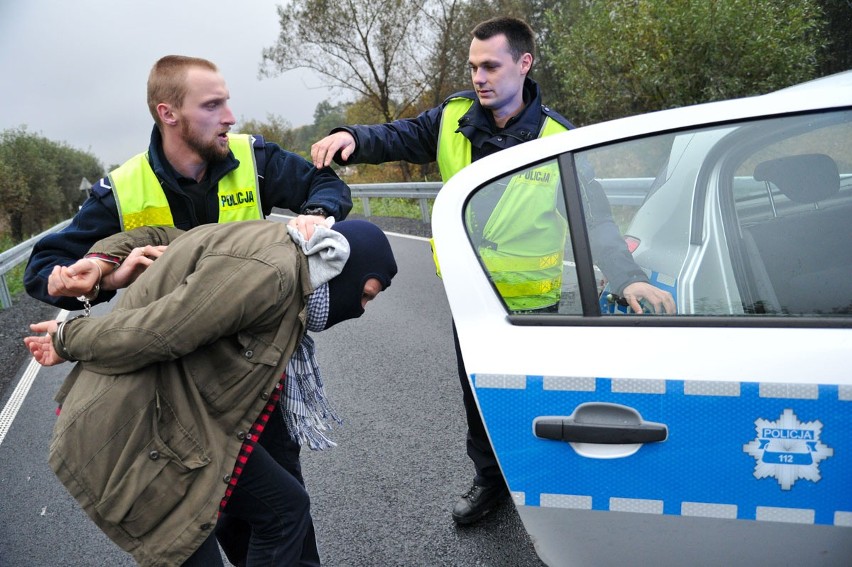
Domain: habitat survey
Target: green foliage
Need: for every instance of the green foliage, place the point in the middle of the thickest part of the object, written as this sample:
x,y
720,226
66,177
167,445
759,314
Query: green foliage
x,y
623,57
327,116
298,140
15,280
275,129
391,207
15,276
836,55
597,59
72,166
40,181
6,242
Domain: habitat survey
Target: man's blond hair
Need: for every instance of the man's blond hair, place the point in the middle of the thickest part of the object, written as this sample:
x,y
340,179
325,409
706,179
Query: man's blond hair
x,y
167,81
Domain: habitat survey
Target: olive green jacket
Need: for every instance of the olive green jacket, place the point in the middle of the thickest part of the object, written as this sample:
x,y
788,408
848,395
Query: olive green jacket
x,y
168,383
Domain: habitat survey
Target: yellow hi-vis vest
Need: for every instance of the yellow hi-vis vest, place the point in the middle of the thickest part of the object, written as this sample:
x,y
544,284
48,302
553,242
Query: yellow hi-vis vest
x,y
525,234
454,150
141,200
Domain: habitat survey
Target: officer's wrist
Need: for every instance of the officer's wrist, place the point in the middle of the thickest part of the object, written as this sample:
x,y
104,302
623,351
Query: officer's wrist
x,y
315,211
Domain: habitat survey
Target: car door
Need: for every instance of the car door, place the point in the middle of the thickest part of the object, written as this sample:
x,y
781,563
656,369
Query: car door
x,y
718,434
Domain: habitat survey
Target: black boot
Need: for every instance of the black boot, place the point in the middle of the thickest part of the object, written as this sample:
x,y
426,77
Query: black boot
x,y
477,502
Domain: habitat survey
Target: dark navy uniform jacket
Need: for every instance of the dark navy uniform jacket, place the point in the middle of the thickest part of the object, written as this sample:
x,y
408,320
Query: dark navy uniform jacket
x,y
415,140
286,180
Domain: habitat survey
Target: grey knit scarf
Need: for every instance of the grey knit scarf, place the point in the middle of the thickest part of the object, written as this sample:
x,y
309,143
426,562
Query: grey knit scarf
x,y
306,409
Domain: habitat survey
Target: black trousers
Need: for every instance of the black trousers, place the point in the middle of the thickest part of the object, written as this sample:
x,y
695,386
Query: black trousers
x,y
267,520
478,447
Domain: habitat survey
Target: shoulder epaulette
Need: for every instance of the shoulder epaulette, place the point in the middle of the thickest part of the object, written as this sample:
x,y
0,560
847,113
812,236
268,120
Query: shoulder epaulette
x,y
461,94
101,188
556,116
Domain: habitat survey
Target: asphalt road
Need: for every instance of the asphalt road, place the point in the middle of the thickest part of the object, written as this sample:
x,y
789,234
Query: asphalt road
x,y
382,497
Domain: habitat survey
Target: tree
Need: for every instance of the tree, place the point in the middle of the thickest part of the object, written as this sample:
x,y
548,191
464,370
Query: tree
x,y
622,57
72,166
275,129
837,54
453,20
328,116
40,180
14,193
545,70
33,180
371,48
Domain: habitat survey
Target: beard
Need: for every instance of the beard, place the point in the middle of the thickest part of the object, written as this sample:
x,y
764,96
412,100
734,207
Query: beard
x,y
209,151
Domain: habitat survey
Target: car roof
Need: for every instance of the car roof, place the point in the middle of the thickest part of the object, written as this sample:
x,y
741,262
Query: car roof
x,y
834,91
838,80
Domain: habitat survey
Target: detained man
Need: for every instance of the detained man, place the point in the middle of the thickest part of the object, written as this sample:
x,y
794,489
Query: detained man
x,y
190,401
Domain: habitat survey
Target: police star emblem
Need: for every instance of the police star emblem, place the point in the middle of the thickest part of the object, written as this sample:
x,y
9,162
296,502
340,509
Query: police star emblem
x,y
788,449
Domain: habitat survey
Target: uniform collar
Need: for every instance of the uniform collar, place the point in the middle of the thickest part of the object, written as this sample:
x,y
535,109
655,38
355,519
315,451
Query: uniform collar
x,y
478,124
165,171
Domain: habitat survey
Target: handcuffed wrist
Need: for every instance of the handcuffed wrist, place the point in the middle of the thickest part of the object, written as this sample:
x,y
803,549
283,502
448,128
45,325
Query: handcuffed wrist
x,y
59,343
96,289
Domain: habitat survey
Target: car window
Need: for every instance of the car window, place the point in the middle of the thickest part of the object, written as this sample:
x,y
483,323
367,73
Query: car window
x,y
746,220
517,225
792,205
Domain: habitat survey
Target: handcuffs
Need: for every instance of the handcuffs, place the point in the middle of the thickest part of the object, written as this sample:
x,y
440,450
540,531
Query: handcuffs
x,y
86,299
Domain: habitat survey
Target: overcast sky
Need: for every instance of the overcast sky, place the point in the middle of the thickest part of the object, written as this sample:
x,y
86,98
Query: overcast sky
x,y
74,71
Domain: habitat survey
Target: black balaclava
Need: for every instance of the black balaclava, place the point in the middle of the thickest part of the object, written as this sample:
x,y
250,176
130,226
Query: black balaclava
x,y
370,257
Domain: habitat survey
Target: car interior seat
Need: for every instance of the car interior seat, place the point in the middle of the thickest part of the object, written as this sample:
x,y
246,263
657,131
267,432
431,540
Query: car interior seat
x,y
805,253
806,178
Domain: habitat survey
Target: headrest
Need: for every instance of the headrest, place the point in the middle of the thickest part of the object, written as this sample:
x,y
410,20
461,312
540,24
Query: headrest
x,y
806,178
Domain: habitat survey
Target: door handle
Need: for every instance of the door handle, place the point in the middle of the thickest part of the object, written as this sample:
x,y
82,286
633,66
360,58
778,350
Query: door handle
x,y
600,423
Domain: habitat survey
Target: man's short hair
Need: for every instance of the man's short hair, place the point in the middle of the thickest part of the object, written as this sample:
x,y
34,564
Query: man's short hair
x,y
519,34
167,80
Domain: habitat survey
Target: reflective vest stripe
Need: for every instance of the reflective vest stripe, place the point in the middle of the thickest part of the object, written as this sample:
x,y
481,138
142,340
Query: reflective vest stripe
x,y
142,206
141,200
514,293
518,277
523,264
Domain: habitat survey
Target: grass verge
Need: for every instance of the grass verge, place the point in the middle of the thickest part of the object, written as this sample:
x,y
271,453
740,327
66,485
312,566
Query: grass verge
x,y
391,207
14,277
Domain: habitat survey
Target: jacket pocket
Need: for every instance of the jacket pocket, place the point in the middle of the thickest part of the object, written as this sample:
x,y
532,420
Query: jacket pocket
x,y
224,372
159,475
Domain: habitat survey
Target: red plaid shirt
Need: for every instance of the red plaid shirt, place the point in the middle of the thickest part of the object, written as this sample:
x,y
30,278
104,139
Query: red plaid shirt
x,y
251,441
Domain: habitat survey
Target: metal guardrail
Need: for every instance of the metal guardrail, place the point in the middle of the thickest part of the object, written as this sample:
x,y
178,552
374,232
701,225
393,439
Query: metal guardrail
x,y
625,192
423,191
629,192
18,254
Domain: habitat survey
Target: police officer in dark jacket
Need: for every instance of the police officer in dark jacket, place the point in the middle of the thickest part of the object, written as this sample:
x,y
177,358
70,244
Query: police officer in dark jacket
x,y
503,110
194,172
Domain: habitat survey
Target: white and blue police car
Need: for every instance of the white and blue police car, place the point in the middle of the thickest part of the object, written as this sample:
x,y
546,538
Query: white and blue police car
x,y
717,435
